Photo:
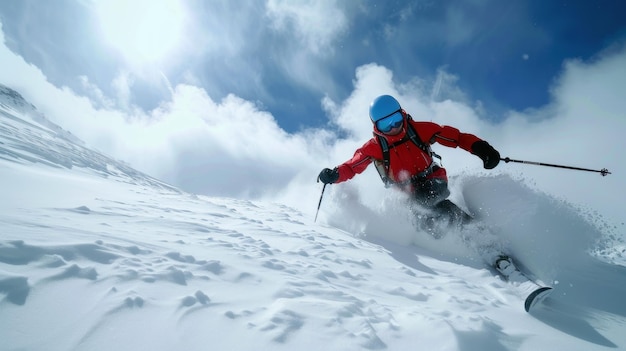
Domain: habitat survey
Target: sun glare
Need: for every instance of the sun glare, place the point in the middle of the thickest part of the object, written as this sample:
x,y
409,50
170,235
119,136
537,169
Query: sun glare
x,y
142,30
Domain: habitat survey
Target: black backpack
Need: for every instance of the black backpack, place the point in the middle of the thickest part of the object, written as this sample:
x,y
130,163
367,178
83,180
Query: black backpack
x,y
411,134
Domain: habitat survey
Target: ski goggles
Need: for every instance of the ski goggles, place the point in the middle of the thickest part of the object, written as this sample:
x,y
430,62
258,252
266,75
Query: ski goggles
x,y
394,120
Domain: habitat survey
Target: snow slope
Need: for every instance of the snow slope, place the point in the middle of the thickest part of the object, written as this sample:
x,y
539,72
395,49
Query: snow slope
x,y
97,256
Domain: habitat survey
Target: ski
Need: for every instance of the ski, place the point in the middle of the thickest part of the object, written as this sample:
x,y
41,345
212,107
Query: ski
x,y
511,273
503,264
536,297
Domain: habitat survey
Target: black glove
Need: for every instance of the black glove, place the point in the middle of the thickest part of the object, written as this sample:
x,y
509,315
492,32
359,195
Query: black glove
x,y
486,152
328,176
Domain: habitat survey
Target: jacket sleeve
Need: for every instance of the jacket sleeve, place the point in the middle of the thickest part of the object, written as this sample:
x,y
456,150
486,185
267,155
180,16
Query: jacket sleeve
x,y
445,135
362,158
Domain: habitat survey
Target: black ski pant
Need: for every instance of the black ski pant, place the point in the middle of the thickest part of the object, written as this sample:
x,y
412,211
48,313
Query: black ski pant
x,y
432,193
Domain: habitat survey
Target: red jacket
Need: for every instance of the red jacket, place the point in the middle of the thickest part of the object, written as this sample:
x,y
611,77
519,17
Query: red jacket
x,y
407,159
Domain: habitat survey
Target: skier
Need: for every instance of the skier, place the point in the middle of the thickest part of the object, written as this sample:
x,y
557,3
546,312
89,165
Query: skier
x,y
401,151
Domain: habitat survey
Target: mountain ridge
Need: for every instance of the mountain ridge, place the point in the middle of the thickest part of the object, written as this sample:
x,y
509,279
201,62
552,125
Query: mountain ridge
x,y
26,135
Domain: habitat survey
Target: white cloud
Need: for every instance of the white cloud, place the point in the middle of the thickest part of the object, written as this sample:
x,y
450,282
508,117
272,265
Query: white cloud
x,y
142,31
317,22
226,148
95,94
583,127
122,86
353,115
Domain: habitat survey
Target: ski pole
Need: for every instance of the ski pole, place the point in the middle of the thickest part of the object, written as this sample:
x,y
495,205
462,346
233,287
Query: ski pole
x,y
602,171
319,204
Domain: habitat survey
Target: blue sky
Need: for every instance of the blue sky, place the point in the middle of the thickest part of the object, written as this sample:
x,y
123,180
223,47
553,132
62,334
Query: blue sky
x,y
287,55
253,98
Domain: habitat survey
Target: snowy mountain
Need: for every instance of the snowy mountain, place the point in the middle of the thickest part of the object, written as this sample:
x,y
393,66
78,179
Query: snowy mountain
x,y
95,255
27,137
12,102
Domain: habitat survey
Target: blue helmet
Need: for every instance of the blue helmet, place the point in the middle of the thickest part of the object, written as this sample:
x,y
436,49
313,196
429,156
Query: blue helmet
x,y
382,107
